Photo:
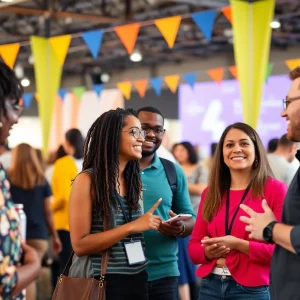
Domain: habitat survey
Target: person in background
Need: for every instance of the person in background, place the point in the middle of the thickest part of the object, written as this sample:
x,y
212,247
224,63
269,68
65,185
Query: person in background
x,y
262,223
207,163
233,266
64,172
30,188
110,187
162,246
196,175
272,145
280,160
14,276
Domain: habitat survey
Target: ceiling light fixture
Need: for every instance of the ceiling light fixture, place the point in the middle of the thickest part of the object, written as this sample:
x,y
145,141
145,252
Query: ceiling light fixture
x,y
25,82
136,56
105,77
275,24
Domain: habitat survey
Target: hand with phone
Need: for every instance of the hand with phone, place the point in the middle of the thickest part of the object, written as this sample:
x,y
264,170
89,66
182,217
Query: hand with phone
x,y
148,220
172,228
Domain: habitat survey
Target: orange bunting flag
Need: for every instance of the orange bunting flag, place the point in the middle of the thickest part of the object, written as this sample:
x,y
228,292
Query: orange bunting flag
x,y
216,74
128,35
9,53
227,13
168,28
293,63
60,45
172,82
37,97
125,89
141,86
233,71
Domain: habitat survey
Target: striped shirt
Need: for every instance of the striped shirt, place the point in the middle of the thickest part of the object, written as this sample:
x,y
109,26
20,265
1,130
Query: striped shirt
x,y
117,262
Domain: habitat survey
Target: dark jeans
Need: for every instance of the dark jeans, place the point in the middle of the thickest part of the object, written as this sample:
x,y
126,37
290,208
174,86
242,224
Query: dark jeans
x,y
127,287
163,289
214,287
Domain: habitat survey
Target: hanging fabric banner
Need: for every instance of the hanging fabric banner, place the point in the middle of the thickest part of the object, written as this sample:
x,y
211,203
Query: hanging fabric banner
x,y
60,45
205,21
157,85
292,63
216,74
227,13
27,98
9,53
168,28
252,38
233,71
47,71
141,86
93,40
172,82
190,78
78,91
128,35
98,88
125,88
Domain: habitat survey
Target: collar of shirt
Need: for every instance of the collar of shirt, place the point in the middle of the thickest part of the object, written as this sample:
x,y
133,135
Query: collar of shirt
x,y
156,163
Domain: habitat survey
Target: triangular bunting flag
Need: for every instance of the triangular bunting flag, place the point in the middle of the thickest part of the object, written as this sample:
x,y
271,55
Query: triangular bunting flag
x,y
78,91
125,88
128,35
157,85
60,45
216,74
205,21
9,53
190,78
141,86
293,63
227,13
269,71
233,71
98,88
27,98
62,93
37,97
168,28
93,40
172,82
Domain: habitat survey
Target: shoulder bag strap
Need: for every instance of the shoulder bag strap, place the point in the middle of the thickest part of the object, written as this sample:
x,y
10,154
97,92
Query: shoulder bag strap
x,y
105,254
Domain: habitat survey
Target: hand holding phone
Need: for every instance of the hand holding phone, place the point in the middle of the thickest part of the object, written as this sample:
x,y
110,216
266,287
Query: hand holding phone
x,y
179,217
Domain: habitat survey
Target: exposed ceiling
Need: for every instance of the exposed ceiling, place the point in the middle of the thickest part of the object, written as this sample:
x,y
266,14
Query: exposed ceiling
x,y
20,19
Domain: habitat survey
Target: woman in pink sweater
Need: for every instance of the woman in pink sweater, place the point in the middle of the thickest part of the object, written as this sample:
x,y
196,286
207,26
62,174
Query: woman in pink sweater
x,y
232,266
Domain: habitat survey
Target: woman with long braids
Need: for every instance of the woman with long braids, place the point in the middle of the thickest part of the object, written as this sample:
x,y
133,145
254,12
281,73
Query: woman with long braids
x,y
109,187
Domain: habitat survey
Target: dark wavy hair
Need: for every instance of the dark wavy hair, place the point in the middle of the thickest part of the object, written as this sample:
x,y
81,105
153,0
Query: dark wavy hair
x,y
76,140
101,153
192,154
10,87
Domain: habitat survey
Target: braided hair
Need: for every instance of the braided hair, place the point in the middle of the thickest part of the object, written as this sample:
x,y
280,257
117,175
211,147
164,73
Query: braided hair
x,y
10,87
101,153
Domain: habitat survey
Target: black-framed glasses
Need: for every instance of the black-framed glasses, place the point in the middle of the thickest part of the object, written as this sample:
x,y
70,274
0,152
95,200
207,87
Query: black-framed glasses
x,y
136,133
287,101
15,107
158,131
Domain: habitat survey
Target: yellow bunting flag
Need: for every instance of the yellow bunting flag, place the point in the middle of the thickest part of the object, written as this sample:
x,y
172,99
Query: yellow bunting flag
x,y
293,63
227,13
78,91
125,88
233,71
252,39
60,45
9,53
141,86
128,35
168,27
172,82
47,71
216,74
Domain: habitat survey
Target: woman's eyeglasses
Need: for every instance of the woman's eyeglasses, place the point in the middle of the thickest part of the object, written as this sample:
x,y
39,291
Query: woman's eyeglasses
x,y
136,133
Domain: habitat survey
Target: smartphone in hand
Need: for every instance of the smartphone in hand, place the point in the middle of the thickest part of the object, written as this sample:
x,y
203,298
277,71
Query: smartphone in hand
x,y
179,217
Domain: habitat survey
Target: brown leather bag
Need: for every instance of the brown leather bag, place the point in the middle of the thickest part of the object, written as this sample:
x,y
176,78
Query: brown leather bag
x,y
82,288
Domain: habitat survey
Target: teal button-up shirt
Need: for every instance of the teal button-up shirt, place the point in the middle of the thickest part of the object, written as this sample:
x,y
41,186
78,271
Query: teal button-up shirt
x,y
161,249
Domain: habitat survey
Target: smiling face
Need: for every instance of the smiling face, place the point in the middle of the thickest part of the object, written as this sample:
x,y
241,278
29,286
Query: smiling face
x,y
130,147
153,123
292,112
238,150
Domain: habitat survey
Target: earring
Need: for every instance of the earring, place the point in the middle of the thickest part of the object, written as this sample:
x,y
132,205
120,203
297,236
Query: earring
x,y
1,124
255,162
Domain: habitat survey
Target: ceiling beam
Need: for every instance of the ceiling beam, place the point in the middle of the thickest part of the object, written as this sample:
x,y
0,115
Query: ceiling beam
x,y
58,14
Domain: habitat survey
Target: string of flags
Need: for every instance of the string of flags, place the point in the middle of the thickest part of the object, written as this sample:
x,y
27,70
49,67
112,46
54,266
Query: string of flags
x,y
156,83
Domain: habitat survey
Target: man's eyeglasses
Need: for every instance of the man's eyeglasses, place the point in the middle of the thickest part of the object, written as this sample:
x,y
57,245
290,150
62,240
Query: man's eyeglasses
x,y
136,133
287,101
158,131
